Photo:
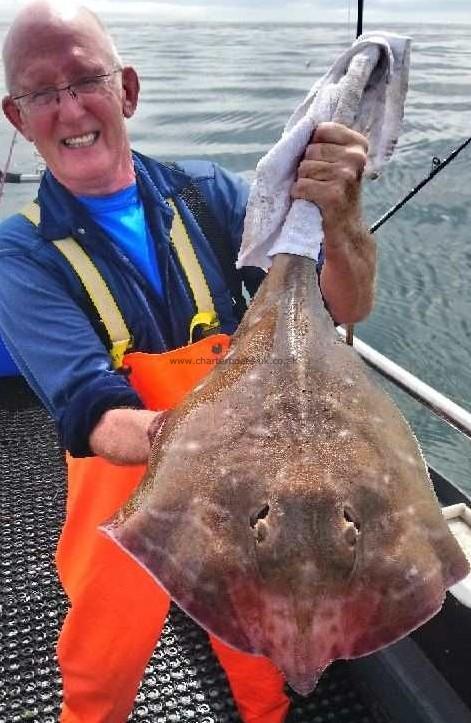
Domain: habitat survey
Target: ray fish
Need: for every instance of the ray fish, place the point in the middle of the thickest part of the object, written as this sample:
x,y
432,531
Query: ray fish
x,y
287,507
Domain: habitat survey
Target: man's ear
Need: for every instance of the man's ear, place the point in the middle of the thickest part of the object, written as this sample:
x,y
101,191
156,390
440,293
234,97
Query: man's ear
x,y
131,88
13,114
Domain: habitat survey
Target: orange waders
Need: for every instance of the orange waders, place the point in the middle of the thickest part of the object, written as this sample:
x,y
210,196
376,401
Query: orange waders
x,y
117,609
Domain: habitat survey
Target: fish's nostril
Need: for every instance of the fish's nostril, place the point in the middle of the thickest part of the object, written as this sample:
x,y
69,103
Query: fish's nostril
x,y
260,515
350,518
259,527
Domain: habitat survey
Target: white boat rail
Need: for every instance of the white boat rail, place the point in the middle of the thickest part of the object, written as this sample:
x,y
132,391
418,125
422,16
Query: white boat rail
x,y
20,177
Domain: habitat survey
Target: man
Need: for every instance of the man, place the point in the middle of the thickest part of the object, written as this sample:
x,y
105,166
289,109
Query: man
x,y
69,94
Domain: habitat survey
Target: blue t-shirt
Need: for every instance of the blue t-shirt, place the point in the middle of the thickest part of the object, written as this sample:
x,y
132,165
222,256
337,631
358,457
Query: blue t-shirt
x,y
121,215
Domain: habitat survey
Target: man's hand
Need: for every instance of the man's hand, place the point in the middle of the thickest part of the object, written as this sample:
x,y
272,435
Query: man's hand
x,y
124,436
329,175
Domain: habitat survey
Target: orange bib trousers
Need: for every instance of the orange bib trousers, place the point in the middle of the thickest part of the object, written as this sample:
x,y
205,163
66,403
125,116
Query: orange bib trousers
x,y
117,610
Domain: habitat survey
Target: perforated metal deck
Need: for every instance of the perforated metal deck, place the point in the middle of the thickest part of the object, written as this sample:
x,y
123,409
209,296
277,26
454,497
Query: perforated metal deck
x,y
183,681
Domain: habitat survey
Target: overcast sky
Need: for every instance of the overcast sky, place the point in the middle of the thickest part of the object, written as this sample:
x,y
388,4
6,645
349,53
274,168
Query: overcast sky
x,y
383,11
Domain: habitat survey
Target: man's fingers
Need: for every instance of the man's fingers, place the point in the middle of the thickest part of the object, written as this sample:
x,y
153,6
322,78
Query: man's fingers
x,y
324,152
353,154
155,426
325,194
318,170
348,162
339,171
330,172
338,134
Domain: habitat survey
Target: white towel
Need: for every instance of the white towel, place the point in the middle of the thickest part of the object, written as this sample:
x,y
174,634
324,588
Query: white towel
x,y
365,89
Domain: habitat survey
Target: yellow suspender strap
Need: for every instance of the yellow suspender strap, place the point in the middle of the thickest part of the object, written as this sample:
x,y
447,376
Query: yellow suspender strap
x,y
103,300
206,314
96,288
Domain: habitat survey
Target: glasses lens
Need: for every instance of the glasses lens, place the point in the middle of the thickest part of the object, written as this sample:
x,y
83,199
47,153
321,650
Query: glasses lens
x,y
89,85
39,101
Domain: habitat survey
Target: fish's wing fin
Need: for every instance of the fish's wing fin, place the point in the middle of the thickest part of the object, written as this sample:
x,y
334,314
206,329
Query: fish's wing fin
x,y
179,544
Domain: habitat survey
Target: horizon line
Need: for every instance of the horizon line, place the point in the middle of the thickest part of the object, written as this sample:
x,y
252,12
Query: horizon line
x,y
129,15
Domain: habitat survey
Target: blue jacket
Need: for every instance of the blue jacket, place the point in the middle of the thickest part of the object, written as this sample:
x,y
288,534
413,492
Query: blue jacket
x,y
44,311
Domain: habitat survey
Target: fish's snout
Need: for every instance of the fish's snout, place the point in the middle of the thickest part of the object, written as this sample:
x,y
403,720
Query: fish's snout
x,y
301,682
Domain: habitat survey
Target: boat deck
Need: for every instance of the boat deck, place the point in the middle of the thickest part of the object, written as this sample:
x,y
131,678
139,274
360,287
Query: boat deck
x,y
183,681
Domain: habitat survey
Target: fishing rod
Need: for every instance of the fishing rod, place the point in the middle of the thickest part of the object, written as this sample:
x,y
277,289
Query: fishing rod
x,y
350,328
360,18
437,166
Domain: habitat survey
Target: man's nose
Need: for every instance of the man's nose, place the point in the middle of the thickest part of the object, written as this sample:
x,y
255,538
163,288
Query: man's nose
x,y
69,104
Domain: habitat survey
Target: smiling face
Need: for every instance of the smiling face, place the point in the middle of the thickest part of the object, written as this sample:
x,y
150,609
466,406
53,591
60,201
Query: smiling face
x,y
83,140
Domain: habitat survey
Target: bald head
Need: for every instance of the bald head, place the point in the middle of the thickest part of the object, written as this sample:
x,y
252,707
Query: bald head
x,y
42,23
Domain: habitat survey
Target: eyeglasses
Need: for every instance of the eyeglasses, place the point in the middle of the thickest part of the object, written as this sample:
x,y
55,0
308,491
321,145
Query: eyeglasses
x,y
40,101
